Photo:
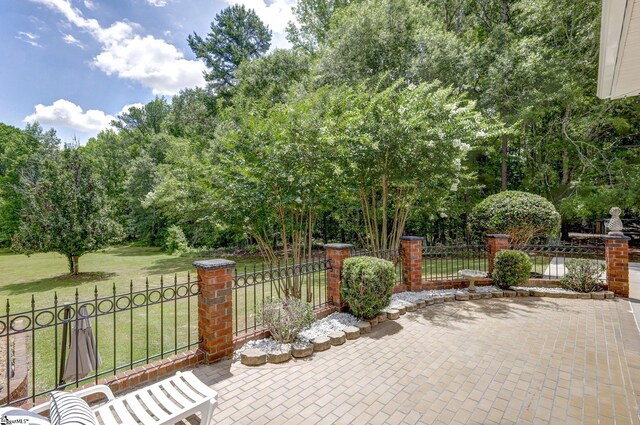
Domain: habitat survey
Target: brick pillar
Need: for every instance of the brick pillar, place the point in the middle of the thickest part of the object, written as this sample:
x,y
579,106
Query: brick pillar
x,y
336,253
215,308
411,261
616,254
495,243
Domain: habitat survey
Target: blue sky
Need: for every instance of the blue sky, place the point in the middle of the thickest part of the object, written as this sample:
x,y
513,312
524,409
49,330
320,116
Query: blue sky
x,y
73,65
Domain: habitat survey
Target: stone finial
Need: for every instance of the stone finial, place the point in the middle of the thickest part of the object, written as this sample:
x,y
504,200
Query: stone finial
x,y
615,224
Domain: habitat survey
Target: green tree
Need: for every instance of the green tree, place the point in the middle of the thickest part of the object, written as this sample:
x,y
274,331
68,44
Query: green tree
x,y
237,35
312,22
400,146
65,210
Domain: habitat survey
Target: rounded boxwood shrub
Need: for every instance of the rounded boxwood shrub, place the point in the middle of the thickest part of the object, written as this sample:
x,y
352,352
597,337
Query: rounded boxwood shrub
x,y
510,268
521,215
582,275
367,285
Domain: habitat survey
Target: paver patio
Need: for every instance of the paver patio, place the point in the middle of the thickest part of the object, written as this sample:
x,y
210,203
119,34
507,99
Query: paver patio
x,y
524,360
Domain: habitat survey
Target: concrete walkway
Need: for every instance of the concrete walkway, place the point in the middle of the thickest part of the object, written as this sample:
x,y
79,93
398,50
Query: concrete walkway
x,y
502,361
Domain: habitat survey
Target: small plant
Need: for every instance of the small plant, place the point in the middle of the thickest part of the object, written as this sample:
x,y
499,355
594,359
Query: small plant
x,y
286,318
176,242
582,275
511,268
367,285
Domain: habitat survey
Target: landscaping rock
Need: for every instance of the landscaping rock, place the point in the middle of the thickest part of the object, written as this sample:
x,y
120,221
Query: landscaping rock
x,y
402,310
438,299
279,356
570,295
321,343
301,349
410,307
497,294
373,322
393,314
364,327
521,292
486,295
536,293
351,332
462,297
429,301
253,357
609,295
597,295
583,296
475,296
555,294
509,293
381,317
420,303
449,297
338,338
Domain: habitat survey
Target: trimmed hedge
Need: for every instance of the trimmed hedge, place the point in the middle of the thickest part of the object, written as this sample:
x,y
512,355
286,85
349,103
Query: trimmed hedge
x,y
367,285
521,215
511,268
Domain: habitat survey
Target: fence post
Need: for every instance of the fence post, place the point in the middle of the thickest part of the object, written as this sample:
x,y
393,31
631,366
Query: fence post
x,y
495,242
617,258
411,253
215,308
336,253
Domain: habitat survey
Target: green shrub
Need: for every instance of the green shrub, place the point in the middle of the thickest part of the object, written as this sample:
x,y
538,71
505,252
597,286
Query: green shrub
x,y
582,275
176,242
367,285
521,215
511,268
285,318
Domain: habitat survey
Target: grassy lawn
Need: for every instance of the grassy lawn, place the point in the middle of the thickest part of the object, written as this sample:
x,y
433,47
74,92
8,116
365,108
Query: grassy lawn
x,y
135,334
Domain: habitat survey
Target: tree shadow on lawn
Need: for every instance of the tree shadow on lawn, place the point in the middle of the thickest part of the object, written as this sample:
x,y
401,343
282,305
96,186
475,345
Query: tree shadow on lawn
x,y
169,266
57,282
451,315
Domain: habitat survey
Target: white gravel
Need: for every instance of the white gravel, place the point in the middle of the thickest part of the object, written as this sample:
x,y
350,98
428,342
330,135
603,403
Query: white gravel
x,y
545,289
331,323
403,298
268,345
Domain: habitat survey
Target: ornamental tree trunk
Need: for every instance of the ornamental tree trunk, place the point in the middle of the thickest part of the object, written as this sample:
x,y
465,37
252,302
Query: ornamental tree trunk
x,y
73,261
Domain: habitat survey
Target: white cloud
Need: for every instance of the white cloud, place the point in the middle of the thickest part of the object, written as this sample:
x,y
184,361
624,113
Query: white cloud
x,y
157,3
28,38
67,114
69,39
89,4
152,62
126,108
276,14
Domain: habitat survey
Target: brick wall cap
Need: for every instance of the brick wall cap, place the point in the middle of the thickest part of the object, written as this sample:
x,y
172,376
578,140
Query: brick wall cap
x,y
338,246
218,263
412,238
497,236
616,235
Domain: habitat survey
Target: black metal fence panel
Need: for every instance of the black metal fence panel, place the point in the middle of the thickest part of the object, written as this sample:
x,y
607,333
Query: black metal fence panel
x,y
129,329
254,285
443,262
549,261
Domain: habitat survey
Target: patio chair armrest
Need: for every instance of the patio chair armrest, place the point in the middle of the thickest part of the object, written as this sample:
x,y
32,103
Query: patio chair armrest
x,y
85,392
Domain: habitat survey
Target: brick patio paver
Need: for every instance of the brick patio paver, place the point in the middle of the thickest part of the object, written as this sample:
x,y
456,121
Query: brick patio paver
x,y
523,360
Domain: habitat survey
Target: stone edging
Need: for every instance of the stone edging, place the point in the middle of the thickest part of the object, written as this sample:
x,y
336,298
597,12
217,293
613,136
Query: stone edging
x,y
256,357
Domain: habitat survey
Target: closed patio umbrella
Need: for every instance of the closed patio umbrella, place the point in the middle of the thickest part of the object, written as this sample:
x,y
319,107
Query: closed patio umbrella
x,y
83,356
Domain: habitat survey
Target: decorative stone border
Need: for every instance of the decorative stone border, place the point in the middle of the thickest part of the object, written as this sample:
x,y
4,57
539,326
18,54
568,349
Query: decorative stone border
x,y
257,357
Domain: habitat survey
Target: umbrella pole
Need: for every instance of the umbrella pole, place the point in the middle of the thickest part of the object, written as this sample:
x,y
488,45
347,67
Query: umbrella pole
x,y
65,331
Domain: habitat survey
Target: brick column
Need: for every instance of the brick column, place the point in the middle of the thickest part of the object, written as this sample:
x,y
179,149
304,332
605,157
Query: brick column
x,y
215,308
336,253
617,258
411,261
495,243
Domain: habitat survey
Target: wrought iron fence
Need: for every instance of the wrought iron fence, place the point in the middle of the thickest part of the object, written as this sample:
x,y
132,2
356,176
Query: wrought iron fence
x,y
129,328
442,262
549,260
253,285
386,254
